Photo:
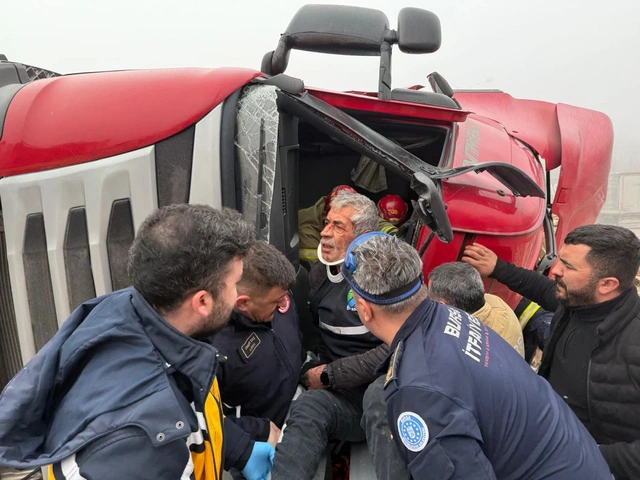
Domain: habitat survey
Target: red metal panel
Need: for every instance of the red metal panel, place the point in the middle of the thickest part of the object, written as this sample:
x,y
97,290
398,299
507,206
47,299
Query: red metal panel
x,y
533,121
479,203
521,250
587,144
351,101
78,118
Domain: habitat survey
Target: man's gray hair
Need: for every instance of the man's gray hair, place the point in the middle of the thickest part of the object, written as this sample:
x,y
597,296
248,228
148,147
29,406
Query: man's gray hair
x,y
386,263
457,284
365,213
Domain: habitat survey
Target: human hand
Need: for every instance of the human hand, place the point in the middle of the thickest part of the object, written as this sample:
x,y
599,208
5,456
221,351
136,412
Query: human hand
x,y
312,378
480,258
260,462
274,434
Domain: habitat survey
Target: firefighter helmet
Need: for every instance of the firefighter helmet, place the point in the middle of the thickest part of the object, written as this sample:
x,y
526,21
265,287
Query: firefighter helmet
x,y
393,209
332,195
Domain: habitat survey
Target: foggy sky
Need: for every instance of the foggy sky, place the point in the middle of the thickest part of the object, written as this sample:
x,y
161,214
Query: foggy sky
x,y
583,53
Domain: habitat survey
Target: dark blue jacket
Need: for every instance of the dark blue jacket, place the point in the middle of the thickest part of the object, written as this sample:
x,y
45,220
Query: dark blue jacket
x,y
333,309
120,393
261,368
462,404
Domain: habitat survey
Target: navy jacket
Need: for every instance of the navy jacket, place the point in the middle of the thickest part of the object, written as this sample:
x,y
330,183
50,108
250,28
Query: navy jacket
x,y
261,368
119,393
333,309
462,404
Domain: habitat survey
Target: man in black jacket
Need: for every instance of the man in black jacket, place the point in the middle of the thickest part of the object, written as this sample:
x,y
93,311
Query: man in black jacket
x,y
592,357
261,345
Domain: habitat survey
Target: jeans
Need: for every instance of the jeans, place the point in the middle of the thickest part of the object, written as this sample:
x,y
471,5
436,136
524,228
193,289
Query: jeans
x,y
317,417
386,459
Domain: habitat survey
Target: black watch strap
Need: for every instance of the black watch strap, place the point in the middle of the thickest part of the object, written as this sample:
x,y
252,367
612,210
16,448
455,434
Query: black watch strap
x,y
324,377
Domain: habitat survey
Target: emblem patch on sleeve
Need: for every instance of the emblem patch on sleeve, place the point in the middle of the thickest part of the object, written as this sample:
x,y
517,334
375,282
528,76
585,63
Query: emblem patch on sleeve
x,y
250,345
351,302
413,431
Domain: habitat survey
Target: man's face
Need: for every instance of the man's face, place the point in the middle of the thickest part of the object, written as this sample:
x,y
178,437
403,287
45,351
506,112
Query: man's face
x,y
262,308
575,278
224,302
337,234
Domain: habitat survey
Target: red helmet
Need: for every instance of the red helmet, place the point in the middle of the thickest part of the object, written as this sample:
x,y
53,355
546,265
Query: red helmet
x,y
332,195
393,209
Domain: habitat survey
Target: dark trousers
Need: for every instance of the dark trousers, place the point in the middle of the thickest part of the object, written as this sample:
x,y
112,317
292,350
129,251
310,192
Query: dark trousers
x,y
383,451
317,416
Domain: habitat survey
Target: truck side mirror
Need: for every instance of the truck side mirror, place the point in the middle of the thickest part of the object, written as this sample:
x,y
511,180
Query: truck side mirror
x,y
418,31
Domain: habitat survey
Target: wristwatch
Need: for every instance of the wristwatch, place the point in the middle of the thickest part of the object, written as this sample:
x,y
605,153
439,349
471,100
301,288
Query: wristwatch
x,y
324,377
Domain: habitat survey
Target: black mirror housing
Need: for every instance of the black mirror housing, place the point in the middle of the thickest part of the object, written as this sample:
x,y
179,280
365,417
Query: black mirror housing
x,y
430,207
419,31
337,29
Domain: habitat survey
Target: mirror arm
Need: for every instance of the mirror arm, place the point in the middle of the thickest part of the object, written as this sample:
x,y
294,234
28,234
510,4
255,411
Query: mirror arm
x,y
384,80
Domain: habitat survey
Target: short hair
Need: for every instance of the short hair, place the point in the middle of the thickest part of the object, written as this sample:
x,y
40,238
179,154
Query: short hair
x,y
265,267
180,249
457,284
365,213
615,251
384,264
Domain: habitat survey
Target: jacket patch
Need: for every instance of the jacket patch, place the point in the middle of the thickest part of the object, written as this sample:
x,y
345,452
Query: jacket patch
x,y
351,302
413,431
250,345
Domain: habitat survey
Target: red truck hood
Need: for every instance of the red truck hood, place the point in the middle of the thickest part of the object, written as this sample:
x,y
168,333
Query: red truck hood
x,y
577,139
78,118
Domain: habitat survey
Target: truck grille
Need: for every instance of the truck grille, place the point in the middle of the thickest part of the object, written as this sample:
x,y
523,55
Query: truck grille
x,y
10,356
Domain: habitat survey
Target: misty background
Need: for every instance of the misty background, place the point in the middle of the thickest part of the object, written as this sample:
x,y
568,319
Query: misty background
x,y
583,53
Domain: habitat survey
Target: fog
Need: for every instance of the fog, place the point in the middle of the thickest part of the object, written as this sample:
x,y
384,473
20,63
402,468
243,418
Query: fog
x,y
583,53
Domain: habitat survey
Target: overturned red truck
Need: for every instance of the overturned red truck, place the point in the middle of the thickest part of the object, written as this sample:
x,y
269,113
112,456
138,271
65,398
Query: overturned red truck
x,y
84,158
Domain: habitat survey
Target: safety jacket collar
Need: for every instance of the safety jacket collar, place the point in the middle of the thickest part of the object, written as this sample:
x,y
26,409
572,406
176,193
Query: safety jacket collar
x,y
421,314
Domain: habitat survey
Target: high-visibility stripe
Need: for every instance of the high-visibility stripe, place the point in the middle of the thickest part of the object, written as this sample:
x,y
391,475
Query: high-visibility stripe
x,y
206,444
308,254
528,314
360,330
50,474
388,229
71,469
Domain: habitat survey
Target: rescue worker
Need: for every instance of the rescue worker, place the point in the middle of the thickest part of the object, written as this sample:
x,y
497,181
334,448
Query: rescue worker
x,y
460,403
535,323
591,358
460,285
261,344
123,390
311,222
393,209
328,411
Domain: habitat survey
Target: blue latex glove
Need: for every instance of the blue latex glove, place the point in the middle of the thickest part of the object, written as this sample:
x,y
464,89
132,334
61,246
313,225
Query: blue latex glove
x,y
260,462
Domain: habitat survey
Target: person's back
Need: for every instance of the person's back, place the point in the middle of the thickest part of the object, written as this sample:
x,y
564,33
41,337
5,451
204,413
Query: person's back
x,y
461,403
476,386
460,285
499,317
